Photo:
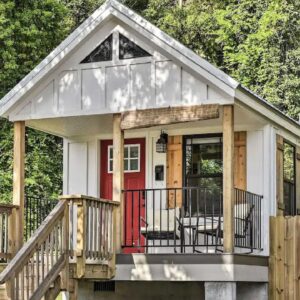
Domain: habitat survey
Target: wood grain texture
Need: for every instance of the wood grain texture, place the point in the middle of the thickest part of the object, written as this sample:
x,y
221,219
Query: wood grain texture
x,y
284,261
174,170
118,176
17,233
240,160
228,177
169,115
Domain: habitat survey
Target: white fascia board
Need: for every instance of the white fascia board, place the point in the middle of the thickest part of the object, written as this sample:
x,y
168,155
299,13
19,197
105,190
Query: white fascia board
x,y
54,58
268,111
112,7
173,47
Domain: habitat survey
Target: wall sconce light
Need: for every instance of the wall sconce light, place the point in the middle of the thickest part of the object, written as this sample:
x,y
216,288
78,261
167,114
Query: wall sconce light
x,y
162,143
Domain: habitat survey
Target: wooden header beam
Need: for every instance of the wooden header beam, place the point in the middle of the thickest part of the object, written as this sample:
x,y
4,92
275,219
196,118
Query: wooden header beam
x,y
169,115
228,177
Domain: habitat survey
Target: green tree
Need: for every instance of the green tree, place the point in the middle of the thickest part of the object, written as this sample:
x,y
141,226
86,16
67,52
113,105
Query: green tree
x,y
29,30
255,41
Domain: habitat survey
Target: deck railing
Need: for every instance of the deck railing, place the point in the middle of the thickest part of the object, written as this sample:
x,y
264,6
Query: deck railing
x,y
92,235
36,211
79,229
6,211
187,220
174,219
42,258
248,220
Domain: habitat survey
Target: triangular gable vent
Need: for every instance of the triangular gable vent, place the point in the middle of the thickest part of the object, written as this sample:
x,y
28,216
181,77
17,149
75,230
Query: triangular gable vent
x,y
101,53
128,49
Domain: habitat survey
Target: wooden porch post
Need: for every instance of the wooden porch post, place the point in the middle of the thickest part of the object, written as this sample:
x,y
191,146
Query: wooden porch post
x,y
16,233
118,177
228,177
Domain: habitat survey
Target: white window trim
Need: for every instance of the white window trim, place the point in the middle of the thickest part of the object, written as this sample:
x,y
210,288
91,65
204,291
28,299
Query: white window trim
x,y
125,146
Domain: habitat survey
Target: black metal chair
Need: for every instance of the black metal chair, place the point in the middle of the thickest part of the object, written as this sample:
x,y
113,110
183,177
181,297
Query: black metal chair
x,y
243,229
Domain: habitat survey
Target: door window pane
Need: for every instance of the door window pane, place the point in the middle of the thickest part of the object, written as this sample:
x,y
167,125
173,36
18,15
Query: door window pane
x,y
134,152
134,164
131,158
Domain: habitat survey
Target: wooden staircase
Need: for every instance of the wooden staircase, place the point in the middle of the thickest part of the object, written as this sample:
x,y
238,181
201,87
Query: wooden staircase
x,y
75,241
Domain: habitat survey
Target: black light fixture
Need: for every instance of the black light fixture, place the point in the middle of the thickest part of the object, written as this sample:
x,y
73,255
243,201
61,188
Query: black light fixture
x,y
162,143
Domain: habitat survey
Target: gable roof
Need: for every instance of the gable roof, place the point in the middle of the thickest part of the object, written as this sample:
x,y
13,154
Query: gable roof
x,y
109,8
169,44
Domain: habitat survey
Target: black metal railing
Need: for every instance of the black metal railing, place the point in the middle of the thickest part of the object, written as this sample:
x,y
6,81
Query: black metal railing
x,y
36,211
187,220
180,220
248,216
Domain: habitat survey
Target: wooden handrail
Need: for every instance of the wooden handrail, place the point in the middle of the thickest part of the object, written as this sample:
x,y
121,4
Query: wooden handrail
x,y
44,258
81,197
7,208
91,230
33,243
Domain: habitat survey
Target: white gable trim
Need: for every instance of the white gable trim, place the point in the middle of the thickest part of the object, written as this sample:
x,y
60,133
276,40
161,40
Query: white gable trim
x,y
54,58
175,48
114,8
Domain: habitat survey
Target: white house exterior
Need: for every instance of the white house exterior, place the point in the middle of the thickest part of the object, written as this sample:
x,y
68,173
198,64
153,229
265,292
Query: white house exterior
x,y
76,97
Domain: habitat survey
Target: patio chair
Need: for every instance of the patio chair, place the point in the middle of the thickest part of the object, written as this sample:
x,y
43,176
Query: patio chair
x,y
243,225
161,224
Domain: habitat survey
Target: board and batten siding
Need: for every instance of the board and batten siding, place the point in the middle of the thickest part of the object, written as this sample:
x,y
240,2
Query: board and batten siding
x,y
81,168
119,85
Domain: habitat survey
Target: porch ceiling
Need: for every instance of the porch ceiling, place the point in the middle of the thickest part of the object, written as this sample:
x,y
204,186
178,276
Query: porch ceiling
x,y
102,124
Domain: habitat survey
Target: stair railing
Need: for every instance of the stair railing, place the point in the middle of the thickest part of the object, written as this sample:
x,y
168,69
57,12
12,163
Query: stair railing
x,y
79,230
92,232
6,226
42,259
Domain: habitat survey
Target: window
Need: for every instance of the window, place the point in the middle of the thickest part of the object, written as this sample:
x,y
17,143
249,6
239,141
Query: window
x,y
289,186
102,53
203,167
128,49
131,158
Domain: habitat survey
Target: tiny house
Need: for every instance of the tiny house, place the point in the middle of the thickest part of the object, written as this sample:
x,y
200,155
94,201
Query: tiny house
x,y
172,170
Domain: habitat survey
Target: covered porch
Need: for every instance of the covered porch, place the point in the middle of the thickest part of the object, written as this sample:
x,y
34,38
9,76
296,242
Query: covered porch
x,y
184,214
190,197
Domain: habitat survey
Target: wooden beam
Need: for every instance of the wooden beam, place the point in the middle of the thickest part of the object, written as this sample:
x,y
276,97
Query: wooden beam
x,y
279,176
118,177
228,177
17,233
168,115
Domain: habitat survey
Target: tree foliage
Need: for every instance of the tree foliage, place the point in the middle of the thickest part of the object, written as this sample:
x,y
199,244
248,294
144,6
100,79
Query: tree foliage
x,y
255,41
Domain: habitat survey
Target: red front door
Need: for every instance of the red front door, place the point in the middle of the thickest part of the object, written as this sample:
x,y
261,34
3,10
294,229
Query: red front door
x,y
134,179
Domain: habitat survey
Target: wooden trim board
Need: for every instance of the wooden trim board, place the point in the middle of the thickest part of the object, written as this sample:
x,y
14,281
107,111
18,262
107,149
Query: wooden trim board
x,y
169,115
